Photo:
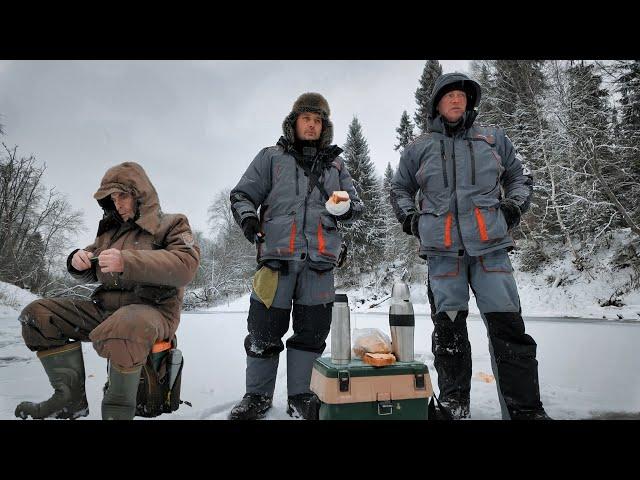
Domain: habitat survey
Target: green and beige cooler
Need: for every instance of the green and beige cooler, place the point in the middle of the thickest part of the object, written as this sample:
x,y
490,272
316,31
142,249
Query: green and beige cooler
x,y
357,391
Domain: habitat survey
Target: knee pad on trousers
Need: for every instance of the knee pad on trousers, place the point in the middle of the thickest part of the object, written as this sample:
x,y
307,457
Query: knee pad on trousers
x,y
266,328
311,326
450,337
508,337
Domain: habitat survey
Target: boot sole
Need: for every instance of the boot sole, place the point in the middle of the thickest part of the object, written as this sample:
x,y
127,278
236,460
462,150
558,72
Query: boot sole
x,y
74,415
259,416
59,414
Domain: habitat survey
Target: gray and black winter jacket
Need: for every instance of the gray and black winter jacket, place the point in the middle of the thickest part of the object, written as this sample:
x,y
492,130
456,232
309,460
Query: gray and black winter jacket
x,y
296,224
461,176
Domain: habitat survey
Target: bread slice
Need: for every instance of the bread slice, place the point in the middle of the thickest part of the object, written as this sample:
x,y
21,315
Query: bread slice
x,y
379,359
339,196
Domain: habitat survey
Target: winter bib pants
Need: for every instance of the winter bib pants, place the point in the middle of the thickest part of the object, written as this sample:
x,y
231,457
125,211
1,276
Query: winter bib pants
x,y
513,352
312,293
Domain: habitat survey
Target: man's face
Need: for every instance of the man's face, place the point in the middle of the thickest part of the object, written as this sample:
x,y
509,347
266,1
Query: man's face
x,y
124,203
308,126
452,105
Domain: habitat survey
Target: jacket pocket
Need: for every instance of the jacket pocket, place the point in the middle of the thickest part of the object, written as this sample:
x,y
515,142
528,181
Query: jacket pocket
x,y
435,226
327,237
279,236
490,222
436,221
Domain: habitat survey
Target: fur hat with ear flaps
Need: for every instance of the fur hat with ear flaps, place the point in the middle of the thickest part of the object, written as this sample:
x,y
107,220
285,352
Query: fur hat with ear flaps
x,y
309,102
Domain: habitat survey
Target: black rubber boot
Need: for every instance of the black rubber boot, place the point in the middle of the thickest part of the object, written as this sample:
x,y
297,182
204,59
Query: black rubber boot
x,y
119,402
253,406
304,405
458,410
65,368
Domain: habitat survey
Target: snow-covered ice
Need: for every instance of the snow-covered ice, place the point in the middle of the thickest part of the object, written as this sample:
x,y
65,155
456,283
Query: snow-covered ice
x,y
587,369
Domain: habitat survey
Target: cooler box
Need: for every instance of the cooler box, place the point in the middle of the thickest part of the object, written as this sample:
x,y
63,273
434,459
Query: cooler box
x,y
358,391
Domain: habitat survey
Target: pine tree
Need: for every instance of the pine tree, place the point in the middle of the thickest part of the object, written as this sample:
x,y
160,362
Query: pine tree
x,y
366,236
405,132
587,158
481,71
391,250
432,70
628,87
519,100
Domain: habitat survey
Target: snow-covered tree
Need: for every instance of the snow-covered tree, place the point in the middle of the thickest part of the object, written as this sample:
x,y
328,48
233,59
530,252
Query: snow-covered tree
x,y
366,236
36,224
404,131
432,70
228,260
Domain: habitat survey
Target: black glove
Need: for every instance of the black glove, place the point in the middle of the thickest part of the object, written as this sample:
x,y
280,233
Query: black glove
x,y
410,224
250,228
511,212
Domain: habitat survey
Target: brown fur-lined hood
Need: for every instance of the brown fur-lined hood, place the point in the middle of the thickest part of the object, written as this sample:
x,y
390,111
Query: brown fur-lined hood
x,y
130,177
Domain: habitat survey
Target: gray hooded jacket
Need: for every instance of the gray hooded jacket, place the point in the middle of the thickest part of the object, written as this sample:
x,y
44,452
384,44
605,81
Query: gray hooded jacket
x,y
461,176
296,224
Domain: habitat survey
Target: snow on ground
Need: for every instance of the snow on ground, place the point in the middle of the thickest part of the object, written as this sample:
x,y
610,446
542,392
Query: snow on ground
x,y
586,369
588,360
13,298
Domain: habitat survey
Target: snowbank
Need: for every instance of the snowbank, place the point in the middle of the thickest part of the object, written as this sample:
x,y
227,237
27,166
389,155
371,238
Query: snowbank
x,y
13,299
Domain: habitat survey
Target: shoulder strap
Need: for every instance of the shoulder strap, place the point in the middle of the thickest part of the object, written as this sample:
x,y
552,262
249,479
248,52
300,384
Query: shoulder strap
x,y
312,173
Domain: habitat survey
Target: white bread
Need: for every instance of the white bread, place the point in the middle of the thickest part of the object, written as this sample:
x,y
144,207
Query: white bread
x,y
370,344
339,196
379,359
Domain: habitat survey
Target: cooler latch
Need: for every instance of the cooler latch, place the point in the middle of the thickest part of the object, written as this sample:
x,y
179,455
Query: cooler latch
x,y
385,405
418,379
343,380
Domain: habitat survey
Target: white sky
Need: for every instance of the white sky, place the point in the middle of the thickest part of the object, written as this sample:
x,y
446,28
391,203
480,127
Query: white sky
x,y
193,125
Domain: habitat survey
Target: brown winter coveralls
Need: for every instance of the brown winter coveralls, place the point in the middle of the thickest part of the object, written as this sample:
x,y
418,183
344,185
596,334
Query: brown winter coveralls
x,y
131,310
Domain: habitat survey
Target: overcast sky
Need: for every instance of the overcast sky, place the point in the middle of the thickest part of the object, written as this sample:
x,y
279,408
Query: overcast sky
x,y
193,125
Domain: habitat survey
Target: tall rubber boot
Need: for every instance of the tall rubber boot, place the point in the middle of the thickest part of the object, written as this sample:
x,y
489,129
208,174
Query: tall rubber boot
x,y
119,402
65,368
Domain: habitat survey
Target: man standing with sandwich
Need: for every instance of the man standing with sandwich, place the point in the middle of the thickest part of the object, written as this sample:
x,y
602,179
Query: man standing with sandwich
x,y
289,203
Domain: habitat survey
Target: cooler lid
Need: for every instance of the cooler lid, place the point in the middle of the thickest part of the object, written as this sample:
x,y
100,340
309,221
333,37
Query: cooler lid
x,y
357,368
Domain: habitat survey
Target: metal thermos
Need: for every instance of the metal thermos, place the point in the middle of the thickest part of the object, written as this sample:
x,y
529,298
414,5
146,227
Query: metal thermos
x,y
340,331
402,323
175,361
